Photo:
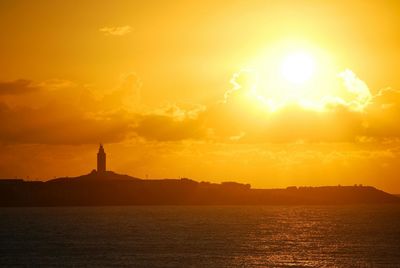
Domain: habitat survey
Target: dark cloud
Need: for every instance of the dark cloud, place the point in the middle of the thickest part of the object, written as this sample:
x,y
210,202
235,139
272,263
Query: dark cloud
x,y
16,87
168,128
69,115
58,125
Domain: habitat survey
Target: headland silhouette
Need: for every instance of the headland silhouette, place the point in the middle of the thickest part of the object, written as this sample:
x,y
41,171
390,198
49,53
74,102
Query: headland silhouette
x,y
106,188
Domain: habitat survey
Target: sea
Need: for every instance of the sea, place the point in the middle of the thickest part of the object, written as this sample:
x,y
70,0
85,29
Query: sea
x,y
201,236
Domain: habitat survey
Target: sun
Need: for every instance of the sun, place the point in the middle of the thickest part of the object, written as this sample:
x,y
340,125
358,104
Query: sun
x,y
293,74
297,68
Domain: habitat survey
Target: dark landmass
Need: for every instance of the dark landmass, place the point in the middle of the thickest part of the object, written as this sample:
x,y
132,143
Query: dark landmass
x,y
109,188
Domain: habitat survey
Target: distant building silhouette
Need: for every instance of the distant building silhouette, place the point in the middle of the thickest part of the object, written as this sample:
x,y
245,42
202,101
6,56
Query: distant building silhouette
x,y
101,159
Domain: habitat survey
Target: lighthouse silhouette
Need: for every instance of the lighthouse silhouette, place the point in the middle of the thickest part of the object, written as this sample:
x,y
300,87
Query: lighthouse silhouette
x,y
101,160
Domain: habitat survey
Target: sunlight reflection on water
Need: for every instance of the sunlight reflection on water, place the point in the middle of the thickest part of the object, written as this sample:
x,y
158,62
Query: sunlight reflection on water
x,y
277,236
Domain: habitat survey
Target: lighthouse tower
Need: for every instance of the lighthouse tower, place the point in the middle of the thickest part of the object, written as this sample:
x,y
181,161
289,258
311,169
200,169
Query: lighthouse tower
x,y
101,160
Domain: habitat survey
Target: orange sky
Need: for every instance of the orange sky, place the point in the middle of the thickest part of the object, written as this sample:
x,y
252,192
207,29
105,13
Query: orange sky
x,y
195,89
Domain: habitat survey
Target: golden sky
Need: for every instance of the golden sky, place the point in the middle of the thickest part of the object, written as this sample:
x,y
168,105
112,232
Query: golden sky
x,y
272,93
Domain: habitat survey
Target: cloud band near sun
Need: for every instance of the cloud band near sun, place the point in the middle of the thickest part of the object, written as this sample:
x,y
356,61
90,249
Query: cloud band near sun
x,y
243,116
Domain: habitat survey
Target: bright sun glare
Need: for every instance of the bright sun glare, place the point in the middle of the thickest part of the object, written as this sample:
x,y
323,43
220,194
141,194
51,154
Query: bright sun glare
x,y
306,77
297,68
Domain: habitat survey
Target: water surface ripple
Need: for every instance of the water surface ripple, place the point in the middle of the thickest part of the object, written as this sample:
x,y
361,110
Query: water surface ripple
x,y
201,236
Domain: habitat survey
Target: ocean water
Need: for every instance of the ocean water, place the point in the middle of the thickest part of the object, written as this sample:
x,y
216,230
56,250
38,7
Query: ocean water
x,y
231,236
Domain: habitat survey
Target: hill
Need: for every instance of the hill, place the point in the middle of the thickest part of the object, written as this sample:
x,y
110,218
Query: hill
x,y
109,188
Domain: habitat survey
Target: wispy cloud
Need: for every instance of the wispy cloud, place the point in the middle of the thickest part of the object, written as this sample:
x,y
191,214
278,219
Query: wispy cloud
x,y
116,30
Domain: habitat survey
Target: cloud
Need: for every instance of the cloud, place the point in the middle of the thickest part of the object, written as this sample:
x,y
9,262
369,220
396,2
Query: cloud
x,y
172,123
64,112
349,114
165,128
116,30
59,124
17,87
57,84
291,124
382,116
243,81
357,88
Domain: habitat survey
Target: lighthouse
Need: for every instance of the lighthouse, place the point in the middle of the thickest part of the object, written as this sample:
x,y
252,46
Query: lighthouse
x,y
101,160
